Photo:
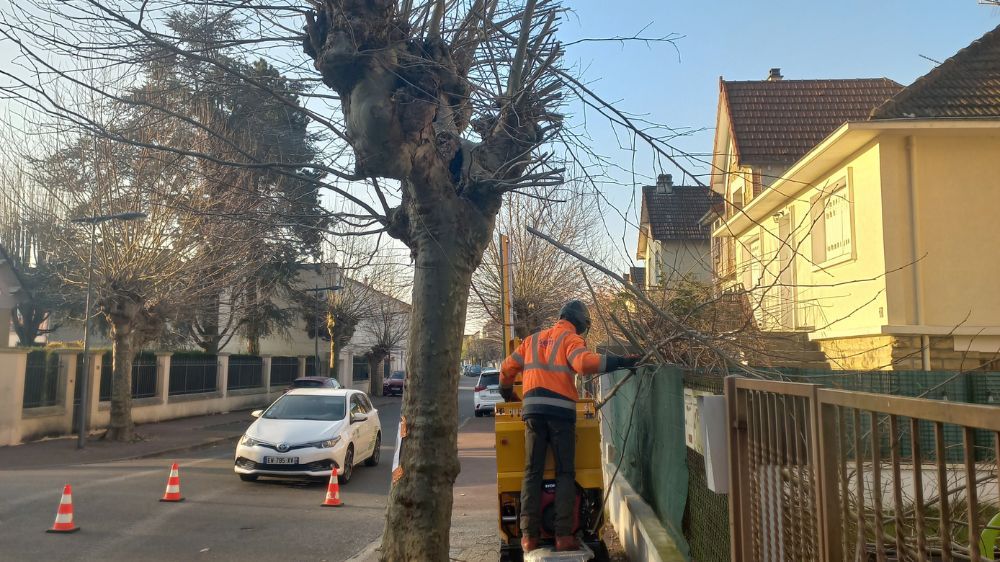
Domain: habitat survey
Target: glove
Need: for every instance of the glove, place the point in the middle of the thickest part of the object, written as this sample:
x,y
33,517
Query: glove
x,y
507,393
615,362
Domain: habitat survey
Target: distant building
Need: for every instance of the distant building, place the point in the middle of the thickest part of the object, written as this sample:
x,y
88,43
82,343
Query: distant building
x,y
674,244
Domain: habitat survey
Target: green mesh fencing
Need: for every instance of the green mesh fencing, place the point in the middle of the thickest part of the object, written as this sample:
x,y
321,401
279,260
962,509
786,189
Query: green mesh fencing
x,y
645,424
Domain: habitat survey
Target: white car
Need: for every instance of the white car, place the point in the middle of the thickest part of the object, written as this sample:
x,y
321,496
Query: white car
x,y
487,392
309,431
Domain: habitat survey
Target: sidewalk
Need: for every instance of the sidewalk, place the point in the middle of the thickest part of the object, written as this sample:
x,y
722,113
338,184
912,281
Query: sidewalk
x,y
157,438
474,535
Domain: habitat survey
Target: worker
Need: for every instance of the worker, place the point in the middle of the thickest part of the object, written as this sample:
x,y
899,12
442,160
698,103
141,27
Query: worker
x,y
550,360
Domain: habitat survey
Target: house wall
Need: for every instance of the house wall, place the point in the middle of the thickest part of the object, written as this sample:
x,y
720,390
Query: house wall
x,y
846,293
957,184
678,259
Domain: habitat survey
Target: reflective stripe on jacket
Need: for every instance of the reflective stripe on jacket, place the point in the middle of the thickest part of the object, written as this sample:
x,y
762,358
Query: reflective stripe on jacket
x,y
549,361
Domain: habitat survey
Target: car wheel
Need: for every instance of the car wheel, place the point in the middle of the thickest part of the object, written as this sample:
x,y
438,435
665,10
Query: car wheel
x,y
373,460
347,470
248,477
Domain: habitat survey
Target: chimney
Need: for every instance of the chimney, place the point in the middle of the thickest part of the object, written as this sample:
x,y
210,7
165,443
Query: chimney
x,y
664,184
774,75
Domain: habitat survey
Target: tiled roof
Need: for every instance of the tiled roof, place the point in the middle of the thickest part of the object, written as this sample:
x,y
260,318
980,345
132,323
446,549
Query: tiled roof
x,y
777,122
676,215
967,85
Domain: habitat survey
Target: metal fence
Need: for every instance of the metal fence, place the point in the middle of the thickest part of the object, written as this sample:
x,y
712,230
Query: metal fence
x,y
144,375
311,366
41,380
284,370
822,474
245,371
192,374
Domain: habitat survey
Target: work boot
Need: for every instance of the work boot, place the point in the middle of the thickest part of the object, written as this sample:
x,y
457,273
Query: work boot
x,y
567,543
528,543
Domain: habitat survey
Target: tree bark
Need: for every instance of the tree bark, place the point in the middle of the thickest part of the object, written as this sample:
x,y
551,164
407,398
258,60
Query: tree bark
x,y
447,250
121,427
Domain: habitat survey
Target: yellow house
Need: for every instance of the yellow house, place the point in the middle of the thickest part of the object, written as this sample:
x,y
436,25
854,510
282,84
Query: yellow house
x,y
879,242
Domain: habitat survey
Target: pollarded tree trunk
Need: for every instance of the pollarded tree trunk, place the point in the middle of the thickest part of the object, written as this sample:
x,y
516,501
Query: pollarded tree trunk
x,y
121,427
446,253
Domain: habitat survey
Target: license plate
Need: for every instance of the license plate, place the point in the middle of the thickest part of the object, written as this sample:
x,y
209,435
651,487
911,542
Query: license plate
x,y
494,392
281,460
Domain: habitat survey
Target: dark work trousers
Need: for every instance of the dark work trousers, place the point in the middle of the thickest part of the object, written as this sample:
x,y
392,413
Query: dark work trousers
x,y
539,433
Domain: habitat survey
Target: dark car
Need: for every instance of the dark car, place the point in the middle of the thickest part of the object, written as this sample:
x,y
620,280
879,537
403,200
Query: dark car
x,y
314,382
473,370
394,384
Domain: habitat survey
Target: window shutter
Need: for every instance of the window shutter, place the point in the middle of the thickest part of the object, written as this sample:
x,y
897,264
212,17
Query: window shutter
x,y
746,265
817,206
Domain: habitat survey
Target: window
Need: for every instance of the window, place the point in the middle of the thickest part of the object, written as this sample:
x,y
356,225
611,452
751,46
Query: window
x,y
833,225
356,406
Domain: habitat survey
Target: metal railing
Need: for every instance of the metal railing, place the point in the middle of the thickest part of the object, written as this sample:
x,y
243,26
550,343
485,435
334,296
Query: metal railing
x,y
245,371
144,375
192,375
284,370
824,474
41,380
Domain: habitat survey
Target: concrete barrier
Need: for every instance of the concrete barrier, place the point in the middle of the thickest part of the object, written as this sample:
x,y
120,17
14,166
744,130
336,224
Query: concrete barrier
x,y
639,529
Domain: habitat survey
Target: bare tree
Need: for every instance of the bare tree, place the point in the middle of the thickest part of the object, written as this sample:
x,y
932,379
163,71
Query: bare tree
x,y
544,278
385,329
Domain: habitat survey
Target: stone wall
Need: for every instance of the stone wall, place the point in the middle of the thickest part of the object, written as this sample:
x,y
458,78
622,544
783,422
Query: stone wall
x,y
902,353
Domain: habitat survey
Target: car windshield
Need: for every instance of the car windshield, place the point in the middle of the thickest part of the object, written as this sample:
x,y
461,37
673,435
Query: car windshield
x,y
490,379
397,376
307,407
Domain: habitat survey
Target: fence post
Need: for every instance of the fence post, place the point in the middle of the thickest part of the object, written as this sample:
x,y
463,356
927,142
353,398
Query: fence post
x,y
740,544
265,372
222,375
96,367
163,375
66,387
825,450
13,363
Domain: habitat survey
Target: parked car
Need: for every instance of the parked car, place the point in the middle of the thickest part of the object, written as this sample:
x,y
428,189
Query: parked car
x,y
472,370
314,382
307,432
487,392
394,384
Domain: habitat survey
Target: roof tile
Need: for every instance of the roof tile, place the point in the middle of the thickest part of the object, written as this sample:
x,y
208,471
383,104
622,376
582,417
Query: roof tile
x,y
677,215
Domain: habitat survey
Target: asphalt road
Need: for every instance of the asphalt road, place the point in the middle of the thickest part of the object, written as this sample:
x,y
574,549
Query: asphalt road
x,y
222,518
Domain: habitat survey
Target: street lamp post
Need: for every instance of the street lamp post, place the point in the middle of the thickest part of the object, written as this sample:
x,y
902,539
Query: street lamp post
x,y
84,378
318,289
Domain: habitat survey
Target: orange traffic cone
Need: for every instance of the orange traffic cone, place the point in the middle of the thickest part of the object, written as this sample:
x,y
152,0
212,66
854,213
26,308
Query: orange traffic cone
x,y
332,492
64,516
173,493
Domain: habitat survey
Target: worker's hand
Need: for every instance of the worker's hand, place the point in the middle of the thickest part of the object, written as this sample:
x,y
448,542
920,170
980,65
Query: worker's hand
x,y
629,361
615,362
507,393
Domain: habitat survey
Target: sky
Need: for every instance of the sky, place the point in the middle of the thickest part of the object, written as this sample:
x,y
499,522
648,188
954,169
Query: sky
x,y
677,84
742,40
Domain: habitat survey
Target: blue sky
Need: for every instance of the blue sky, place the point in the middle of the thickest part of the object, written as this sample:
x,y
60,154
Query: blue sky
x,y
741,40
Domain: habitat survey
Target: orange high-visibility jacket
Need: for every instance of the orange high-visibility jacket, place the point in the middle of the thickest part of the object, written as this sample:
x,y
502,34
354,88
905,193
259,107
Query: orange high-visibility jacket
x,y
550,360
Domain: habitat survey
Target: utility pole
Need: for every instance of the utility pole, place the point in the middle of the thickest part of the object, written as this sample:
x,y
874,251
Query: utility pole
x,y
83,416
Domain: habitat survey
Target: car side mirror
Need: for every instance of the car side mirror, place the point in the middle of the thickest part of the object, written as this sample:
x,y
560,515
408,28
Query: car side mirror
x,y
355,418
256,413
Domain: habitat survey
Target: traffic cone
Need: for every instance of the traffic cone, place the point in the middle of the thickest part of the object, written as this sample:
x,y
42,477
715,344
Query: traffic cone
x,y
332,492
173,493
64,516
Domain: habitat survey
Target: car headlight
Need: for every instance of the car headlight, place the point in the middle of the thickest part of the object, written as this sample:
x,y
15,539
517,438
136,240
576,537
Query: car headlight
x,y
326,444
248,441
